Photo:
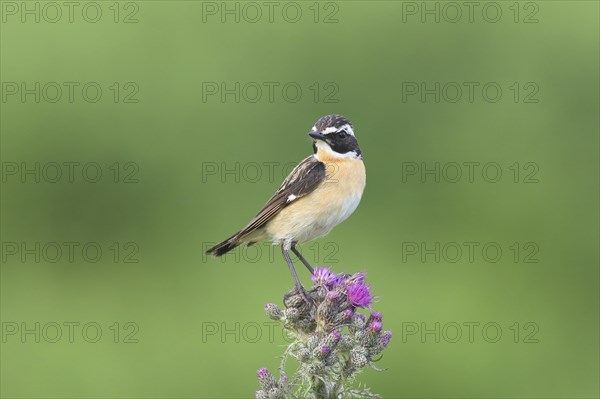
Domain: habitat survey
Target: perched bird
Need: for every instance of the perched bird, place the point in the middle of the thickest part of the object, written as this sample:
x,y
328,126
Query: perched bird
x,y
321,191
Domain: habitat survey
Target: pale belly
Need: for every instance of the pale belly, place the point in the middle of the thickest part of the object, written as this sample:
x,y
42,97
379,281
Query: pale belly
x,y
319,212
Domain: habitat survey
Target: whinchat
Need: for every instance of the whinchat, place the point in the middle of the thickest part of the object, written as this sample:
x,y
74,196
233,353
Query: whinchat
x,y
322,191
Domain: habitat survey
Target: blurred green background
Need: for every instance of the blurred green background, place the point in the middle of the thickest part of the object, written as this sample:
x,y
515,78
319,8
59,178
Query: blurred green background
x,y
192,168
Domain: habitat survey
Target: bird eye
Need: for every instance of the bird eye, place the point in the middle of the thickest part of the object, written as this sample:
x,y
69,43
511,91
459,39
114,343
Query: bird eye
x,y
342,133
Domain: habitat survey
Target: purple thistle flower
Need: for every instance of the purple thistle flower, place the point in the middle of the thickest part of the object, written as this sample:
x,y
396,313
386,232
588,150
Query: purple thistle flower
x,y
385,338
333,296
323,276
357,278
324,351
263,372
359,295
375,326
337,280
344,316
376,316
266,379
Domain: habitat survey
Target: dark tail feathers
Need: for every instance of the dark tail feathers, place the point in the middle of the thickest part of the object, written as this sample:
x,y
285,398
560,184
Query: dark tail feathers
x,y
225,246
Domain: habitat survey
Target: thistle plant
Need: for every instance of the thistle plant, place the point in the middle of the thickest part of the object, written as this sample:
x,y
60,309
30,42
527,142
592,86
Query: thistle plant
x,y
331,340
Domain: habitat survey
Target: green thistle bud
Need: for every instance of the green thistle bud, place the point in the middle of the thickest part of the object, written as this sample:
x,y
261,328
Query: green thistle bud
x,y
312,341
284,383
275,393
313,369
329,308
294,301
344,317
358,357
266,379
358,361
291,314
303,355
318,294
374,351
359,350
362,337
321,352
359,321
346,342
273,311
332,339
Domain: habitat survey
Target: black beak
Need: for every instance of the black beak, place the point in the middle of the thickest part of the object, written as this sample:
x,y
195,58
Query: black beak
x,y
317,135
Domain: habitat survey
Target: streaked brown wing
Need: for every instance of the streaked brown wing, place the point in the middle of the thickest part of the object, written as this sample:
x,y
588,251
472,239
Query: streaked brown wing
x,y
303,179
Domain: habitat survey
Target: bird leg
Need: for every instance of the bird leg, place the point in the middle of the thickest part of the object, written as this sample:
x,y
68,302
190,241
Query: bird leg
x,y
287,258
299,255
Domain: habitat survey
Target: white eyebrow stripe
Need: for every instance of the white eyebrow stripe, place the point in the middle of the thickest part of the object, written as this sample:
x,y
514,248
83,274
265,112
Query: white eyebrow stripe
x,y
333,129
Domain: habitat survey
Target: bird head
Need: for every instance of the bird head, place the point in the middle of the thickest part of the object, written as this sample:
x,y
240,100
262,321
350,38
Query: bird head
x,y
333,136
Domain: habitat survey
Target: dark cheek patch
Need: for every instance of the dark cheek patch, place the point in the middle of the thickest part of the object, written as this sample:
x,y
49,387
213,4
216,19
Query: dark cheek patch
x,y
345,145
